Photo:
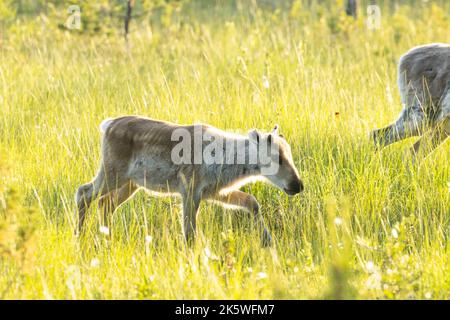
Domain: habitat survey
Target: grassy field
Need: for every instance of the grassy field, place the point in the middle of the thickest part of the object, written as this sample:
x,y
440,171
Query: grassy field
x,y
369,224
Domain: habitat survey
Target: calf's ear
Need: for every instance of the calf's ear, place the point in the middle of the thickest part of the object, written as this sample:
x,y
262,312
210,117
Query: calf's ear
x,y
275,129
254,136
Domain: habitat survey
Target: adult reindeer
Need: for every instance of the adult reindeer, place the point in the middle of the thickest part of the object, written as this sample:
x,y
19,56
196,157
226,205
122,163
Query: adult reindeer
x,y
424,84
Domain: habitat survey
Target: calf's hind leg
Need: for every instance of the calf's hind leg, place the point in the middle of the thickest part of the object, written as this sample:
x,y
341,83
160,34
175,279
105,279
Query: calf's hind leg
x,y
86,194
112,200
102,184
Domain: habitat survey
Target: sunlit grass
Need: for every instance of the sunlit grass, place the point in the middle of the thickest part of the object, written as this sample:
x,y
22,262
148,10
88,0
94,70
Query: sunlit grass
x,y
368,225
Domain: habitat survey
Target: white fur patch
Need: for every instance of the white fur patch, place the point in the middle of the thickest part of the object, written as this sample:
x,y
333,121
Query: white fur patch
x,y
105,124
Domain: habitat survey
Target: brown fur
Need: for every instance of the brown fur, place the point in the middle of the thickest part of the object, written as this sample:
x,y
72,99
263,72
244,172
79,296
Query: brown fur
x,y
136,152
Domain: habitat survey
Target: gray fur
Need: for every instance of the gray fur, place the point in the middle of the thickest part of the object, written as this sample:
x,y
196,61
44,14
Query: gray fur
x,y
136,153
424,85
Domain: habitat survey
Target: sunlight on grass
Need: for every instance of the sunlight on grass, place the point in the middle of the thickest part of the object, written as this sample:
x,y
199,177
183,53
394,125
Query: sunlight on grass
x,y
368,225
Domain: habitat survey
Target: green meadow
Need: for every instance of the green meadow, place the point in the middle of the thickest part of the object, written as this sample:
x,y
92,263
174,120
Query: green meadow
x,y
369,224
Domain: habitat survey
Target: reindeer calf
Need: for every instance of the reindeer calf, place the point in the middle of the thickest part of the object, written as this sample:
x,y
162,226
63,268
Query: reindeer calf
x,y
424,83
197,162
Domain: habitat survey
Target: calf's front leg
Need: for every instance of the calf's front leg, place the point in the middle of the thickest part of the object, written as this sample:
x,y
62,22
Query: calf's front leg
x,y
191,203
248,202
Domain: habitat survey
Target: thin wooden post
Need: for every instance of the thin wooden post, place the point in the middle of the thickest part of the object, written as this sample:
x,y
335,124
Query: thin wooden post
x,y
351,8
130,4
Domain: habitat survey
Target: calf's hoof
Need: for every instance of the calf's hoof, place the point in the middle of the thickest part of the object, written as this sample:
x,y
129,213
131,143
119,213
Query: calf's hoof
x,y
266,239
189,240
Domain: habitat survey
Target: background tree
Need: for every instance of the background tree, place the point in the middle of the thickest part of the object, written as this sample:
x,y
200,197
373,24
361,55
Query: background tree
x,y
351,8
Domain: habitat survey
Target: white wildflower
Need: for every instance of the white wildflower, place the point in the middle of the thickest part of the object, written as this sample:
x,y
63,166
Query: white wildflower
x,y
261,275
95,263
394,233
256,98
73,281
181,272
104,230
265,82
370,266
389,96
374,281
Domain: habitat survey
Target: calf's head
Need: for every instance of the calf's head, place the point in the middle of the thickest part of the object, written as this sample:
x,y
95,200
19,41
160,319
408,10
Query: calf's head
x,y
274,158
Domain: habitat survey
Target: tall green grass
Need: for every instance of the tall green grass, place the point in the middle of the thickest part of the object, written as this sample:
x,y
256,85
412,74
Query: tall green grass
x,y
368,225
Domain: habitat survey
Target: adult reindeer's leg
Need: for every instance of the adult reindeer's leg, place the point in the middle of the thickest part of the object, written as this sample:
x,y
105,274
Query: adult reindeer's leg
x,y
248,202
111,201
409,124
431,140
